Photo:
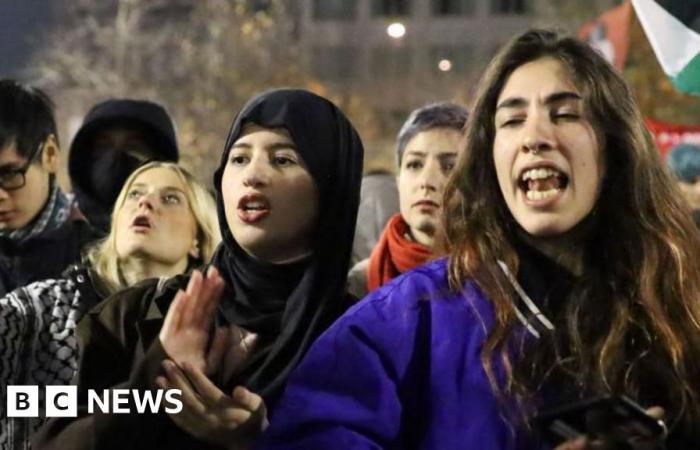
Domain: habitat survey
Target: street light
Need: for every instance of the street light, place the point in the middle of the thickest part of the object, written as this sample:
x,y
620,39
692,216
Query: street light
x,y
445,65
396,30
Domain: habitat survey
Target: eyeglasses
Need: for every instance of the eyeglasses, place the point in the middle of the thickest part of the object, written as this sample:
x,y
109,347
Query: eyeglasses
x,y
16,178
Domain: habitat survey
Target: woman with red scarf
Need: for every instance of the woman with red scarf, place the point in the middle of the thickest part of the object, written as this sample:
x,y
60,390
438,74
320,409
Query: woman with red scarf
x,y
426,149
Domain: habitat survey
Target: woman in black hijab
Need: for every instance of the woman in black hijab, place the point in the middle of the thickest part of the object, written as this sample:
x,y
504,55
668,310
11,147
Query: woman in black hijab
x,y
287,197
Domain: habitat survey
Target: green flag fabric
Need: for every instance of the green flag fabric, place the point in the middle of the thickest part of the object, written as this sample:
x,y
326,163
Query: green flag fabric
x,y
673,29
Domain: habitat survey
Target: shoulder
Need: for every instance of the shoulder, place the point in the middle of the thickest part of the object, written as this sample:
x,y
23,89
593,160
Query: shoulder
x,y
45,294
134,303
357,279
54,304
417,305
425,286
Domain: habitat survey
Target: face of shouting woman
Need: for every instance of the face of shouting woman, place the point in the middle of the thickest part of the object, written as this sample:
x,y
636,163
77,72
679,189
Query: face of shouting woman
x,y
548,160
270,198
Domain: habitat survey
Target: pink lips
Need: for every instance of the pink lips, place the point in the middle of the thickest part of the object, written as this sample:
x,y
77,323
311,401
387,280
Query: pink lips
x,y
253,208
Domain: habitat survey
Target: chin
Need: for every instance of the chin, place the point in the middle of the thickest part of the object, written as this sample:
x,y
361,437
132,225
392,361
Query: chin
x,y
544,228
426,225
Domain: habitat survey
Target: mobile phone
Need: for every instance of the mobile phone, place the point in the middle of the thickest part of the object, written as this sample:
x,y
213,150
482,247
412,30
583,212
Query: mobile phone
x,y
612,415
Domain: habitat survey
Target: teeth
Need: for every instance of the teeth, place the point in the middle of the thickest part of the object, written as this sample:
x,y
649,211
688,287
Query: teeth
x,y
539,174
541,195
254,205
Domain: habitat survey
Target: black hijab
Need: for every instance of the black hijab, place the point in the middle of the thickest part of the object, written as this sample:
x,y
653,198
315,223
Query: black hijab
x,y
290,305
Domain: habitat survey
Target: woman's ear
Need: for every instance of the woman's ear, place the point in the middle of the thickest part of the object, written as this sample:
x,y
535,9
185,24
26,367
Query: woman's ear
x,y
194,250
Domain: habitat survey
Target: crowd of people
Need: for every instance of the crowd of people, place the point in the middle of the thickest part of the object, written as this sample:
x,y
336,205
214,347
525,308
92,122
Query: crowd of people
x,y
532,253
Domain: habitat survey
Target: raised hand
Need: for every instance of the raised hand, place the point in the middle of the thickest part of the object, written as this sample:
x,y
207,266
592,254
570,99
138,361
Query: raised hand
x,y
185,331
209,414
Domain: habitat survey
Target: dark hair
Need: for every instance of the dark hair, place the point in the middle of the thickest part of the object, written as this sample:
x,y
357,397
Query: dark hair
x,y
632,320
26,117
435,115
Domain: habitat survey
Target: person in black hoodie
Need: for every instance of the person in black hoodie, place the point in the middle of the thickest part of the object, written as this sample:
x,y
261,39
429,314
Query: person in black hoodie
x,y
116,137
35,215
288,190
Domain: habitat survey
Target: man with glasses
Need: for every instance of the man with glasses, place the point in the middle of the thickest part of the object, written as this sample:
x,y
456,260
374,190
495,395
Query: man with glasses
x,y
41,232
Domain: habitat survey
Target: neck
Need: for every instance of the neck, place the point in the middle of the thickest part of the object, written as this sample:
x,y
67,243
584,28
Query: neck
x,y
135,269
564,249
426,239
288,259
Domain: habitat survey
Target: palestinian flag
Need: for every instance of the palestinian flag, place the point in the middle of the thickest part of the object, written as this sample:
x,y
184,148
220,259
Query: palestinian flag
x,y
673,29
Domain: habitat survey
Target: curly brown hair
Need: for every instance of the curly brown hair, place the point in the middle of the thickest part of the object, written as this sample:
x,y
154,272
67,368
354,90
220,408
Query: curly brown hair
x,y
631,323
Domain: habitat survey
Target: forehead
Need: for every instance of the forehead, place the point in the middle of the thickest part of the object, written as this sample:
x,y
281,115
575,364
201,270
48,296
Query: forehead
x,y
438,140
9,155
537,79
160,177
255,133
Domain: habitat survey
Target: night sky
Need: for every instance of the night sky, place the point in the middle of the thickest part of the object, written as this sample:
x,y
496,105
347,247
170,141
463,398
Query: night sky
x,y
23,26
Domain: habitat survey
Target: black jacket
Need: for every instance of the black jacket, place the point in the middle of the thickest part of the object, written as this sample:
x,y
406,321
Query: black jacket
x,y
45,256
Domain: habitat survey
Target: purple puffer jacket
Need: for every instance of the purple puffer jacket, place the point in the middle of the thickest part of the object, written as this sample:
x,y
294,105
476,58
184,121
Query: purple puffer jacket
x,y
400,370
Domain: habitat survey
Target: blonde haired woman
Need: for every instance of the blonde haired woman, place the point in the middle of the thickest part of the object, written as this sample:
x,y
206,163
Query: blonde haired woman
x,y
163,224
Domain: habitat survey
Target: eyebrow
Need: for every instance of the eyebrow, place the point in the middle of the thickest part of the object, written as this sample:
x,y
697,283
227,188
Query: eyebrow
x,y
269,147
556,97
164,188
440,154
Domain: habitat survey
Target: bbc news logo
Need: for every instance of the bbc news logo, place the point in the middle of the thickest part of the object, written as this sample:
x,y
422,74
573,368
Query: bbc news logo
x,y
62,401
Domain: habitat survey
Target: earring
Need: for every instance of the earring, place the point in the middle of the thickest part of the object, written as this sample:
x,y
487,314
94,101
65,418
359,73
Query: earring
x,y
194,251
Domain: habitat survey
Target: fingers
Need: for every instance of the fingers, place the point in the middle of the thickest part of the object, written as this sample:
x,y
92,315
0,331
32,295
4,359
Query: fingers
x,y
241,346
247,399
215,288
217,349
248,409
207,298
656,412
194,290
173,317
207,390
176,379
580,443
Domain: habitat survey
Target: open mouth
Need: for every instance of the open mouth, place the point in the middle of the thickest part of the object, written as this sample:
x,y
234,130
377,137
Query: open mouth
x,y
253,208
141,222
542,183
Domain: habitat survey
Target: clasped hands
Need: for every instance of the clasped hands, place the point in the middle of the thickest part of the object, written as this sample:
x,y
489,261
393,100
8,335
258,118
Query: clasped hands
x,y
233,421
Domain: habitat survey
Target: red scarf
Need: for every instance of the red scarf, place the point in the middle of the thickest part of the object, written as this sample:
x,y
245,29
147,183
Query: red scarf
x,y
394,254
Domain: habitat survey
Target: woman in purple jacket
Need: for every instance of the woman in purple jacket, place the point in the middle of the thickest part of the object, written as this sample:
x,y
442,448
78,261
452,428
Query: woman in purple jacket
x,y
573,272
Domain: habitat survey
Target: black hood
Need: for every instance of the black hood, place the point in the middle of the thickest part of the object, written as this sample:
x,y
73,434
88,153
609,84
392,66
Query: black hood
x,y
158,130
290,305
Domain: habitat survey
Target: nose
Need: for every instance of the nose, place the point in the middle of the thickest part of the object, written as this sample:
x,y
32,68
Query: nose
x,y
537,135
257,173
430,176
146,201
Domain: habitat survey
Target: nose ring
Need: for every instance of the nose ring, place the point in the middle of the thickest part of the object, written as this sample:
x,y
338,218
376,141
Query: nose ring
x,y
532,146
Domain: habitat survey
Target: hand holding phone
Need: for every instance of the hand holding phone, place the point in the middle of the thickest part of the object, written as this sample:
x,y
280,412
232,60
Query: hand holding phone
x,y
615,419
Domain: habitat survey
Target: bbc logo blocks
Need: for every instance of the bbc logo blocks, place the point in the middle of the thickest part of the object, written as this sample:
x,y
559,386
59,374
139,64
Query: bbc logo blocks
x,y
23,401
